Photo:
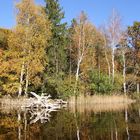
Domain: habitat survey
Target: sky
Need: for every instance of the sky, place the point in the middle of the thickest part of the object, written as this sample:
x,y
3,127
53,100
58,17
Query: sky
x,y
98,11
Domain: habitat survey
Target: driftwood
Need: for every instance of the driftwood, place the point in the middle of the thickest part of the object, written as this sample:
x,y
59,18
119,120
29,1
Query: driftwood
x,y
40,114
44,101
40,107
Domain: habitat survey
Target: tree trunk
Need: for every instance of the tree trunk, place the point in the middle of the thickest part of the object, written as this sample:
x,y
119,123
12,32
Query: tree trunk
x,y
56,59
77,75
124,74
107,60
109,71
21,80
116,131
27,81
79,59
113,65
99,69
25,125
126,121
76,123
70,69
126,115
81,51
138,88
127,132
19,126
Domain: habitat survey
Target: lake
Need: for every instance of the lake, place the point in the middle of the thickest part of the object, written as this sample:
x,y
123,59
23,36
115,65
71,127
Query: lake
x,y
101,122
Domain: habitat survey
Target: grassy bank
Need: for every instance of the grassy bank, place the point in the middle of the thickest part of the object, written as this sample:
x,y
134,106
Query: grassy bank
x,y
95,103
100,103
14,103
101,99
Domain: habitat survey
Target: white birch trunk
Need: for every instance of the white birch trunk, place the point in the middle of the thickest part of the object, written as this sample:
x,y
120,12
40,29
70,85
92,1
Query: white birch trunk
x,y
19,126
78,64
81,51
109,69
77,74
138,88
25,125
78,68
107,60
70,69
27,82
21,80
126,115
124,74
126,121
113,64
127,132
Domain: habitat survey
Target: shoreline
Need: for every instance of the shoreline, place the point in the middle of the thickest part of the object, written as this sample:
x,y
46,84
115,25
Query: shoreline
x,y
18,103
101,99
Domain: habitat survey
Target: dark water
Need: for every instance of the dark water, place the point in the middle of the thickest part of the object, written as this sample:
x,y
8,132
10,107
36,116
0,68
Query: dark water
x,y
69,124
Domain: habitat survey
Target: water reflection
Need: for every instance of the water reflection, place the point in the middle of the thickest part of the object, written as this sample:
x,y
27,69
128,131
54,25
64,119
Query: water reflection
x,y
73,123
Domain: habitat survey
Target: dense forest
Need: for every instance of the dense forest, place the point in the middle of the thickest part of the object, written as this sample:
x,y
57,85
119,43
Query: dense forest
x,y
43,54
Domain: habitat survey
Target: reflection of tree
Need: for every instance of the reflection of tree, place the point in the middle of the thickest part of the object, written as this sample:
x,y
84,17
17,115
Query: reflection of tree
x,y
133,122
40,114
19,126
8,125
14,126
63,125
102,125
76,123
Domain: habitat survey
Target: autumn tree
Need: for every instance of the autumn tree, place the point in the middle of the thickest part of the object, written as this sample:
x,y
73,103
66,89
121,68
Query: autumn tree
x,y
122,51
106,49
114,36
134,42
85,38
4,33
79,42
26,56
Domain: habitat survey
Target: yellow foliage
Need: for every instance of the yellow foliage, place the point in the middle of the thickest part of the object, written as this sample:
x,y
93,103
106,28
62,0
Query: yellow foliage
x,y
27,44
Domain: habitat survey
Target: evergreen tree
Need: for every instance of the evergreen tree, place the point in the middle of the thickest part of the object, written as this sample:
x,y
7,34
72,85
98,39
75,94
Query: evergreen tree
x,y
56,51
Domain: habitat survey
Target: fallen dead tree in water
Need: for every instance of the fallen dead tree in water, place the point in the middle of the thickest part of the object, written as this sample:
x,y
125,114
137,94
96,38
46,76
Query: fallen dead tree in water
x,y
38,107
44,101
41,107
36,101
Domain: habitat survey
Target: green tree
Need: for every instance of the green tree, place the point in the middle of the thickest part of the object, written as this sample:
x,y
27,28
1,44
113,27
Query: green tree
x,y
56,51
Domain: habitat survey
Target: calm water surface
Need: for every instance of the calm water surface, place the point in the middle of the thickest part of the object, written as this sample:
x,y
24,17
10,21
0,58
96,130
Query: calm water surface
x,y
84,123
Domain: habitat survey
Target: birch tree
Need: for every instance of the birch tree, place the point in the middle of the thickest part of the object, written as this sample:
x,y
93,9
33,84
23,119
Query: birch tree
x,y
123,51
103,31
79,39
114,35
83,38
27,44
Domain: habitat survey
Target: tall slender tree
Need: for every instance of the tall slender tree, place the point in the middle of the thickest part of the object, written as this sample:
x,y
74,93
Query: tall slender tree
x,y
85,39
57,46
123,49
114,36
